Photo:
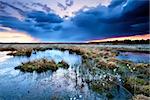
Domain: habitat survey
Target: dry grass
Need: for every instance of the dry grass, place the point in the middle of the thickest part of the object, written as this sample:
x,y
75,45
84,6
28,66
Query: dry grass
x,y
42,65
141,97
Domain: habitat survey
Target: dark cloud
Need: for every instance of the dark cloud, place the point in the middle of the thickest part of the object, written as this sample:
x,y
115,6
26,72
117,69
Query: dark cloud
x,y
40,16
115,3
58,27
14,23
120,18
38,24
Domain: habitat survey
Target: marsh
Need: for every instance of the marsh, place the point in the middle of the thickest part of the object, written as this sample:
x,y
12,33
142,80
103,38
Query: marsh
x,y
93,72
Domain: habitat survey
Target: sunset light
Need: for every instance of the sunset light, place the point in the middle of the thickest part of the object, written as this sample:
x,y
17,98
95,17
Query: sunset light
x,y
18,37
136,37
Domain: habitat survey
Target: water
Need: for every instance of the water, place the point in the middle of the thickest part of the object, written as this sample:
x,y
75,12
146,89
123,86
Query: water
x,y
64,84
134,57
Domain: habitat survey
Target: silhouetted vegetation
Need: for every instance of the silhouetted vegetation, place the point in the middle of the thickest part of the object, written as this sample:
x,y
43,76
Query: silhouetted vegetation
x,y
124,42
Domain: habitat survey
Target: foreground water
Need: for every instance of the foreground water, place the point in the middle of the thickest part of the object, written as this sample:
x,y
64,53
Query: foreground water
x,y
64,84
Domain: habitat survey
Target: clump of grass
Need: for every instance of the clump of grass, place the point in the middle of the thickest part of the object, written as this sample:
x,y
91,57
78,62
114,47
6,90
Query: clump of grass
x,y
141,97
135,81
7,49
63,64
103,64
21,52
137,86
103,87
111,65
135,77
143,69
42,65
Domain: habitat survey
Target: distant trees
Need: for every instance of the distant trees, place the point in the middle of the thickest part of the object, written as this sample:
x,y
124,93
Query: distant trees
x,y
125,42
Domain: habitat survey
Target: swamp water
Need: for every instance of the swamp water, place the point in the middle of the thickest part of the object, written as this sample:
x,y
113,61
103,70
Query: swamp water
x,y
134,57
66,84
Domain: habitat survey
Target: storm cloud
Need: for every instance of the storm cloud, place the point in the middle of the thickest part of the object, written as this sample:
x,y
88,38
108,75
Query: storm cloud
x,y
119,18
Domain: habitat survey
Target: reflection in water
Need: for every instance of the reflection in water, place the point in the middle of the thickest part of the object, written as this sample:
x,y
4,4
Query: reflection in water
x,y
135,57
62,84
3,56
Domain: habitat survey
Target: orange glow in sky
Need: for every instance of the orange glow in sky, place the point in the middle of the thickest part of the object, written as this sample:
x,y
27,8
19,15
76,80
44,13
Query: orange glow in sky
x,y
14,36
136,37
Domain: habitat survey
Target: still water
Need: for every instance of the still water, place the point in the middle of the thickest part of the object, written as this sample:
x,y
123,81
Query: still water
x,y
66,84
134,57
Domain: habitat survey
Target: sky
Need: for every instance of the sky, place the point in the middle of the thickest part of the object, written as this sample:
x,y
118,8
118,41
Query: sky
x,y
135,37
72,20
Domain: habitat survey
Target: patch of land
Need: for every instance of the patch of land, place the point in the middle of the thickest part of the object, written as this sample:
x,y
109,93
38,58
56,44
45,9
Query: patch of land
x,y
42,65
